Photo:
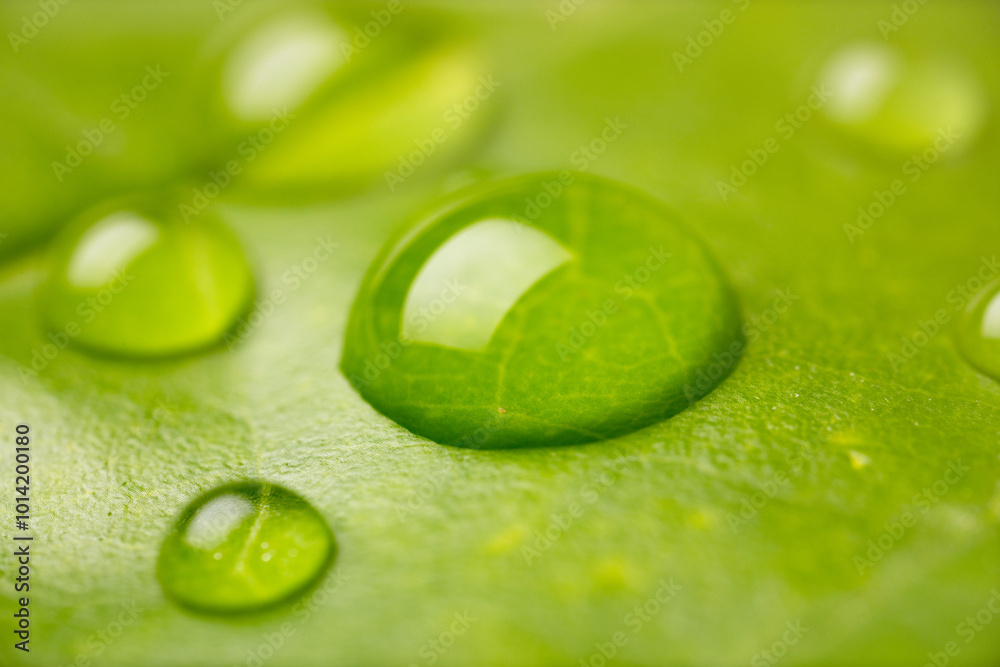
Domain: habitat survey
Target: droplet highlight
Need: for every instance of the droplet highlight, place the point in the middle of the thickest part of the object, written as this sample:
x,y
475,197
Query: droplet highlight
x,y
132,278
544,310
281,64
243,547
498,260
902,105
978,331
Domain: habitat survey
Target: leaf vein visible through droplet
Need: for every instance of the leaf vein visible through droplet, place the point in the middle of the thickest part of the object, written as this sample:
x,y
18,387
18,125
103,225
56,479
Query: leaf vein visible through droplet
x,y
550,422
663,326
251,537
516,336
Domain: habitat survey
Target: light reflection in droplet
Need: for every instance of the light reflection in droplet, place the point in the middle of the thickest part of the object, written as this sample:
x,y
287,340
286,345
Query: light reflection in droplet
x,y
470,283
280,65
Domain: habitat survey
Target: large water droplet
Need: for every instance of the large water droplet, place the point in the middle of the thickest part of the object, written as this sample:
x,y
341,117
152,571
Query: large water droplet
x,y
902,105
242,547
131,278
978,331
543,310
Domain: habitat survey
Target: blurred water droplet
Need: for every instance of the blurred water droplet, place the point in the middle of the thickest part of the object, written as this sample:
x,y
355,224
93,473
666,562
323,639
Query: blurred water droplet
x,y
131,278
901,105
280,64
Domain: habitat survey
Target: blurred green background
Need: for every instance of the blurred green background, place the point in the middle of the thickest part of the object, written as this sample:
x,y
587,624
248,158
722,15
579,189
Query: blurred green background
x,y
838,438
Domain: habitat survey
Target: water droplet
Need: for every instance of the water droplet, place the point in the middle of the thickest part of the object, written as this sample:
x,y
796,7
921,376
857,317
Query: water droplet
x,y
421,107
580,306
131,278
903,106
978,331
324,109
209,563
280,64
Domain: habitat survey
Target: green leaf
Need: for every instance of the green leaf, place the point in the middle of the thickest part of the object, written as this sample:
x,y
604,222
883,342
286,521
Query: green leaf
x,y
824,494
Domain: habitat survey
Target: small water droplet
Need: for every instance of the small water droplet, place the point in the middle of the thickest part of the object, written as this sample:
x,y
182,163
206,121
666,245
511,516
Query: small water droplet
x,y
131,278
978,331
902,105
206,563
579,305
